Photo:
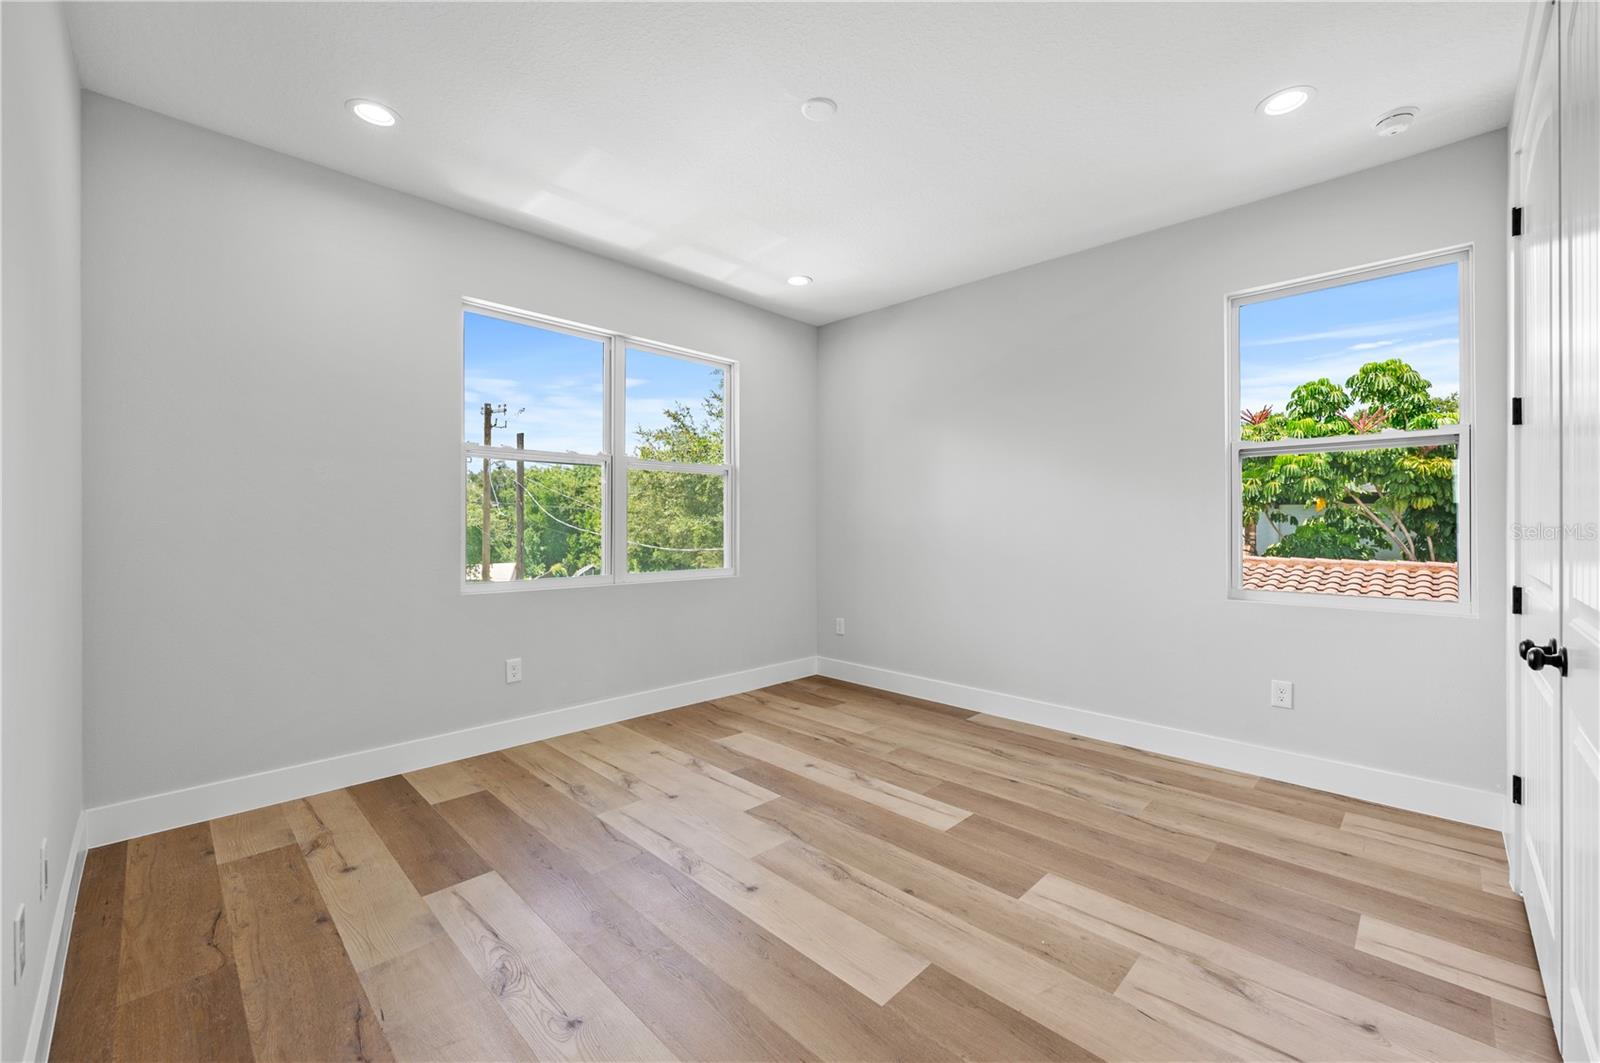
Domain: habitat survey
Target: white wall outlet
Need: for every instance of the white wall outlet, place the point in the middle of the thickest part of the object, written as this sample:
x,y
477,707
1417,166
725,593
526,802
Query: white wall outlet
x,y
44,867
513,669
1282,694
838,625
19,944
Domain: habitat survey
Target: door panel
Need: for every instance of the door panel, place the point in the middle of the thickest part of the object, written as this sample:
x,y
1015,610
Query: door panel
x,y
1581,944
1580,505
1538,504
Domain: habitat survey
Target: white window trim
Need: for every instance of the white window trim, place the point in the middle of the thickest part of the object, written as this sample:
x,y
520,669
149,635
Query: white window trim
x,y
613,460
1237,449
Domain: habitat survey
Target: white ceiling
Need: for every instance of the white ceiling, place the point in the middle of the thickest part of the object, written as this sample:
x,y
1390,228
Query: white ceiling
x,y
971,139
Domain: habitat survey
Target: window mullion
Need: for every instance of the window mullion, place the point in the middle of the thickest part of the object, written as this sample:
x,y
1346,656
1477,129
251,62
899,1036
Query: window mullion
x,y
616,519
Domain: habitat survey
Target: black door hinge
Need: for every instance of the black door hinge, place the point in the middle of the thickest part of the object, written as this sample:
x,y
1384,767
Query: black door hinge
x,y
1516,221
1516,410
1516,601
1516,789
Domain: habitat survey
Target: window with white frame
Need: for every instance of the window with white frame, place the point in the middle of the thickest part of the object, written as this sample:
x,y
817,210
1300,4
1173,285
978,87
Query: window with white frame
x,y
591,457
1349,435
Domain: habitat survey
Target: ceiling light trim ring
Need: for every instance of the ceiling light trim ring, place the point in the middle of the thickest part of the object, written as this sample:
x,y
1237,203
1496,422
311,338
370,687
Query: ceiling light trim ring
x,y
1286,101
372,112
819,109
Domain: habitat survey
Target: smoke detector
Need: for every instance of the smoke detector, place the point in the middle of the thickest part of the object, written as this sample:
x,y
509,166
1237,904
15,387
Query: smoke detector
x,y
1395,122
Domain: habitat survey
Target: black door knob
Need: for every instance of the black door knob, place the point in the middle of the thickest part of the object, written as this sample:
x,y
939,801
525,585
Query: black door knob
x,y
1539,656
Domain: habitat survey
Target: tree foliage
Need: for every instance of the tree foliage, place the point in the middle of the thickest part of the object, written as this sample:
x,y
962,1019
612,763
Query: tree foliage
x,y
675,520
1399,500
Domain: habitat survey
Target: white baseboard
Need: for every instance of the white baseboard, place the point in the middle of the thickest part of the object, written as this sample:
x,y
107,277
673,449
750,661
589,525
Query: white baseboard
x,y
146,815
1464,804
43,1022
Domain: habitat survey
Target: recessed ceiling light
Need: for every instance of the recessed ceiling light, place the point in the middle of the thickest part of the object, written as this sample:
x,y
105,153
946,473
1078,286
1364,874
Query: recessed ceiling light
x,y
1395,122
372,112
799,280
819,109
1285,100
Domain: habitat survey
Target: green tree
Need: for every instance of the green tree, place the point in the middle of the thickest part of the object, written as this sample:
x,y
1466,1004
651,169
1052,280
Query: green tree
x,y
1335,532
687,435
675,520
1401,499
562,506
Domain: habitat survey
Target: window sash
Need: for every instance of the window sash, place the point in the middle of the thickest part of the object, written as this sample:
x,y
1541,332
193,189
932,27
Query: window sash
x,y
614,459
1459,436
617,404
727,520
1461,255
500,456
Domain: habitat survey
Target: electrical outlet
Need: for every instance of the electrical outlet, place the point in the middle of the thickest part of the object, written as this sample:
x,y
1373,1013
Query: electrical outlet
x,y
1282,694
44,867
513,669
19,944
838,625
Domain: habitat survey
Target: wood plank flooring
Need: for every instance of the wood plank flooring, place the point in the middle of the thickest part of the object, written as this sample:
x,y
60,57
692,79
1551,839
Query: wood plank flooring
x,y
814,871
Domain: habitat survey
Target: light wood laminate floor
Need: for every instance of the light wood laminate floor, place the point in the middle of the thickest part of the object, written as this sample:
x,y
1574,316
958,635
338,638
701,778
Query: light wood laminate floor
x,y
810,871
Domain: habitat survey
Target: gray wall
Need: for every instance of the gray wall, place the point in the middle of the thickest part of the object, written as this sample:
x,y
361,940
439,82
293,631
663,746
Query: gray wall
x,y
1023,487
266,340
41,589
272,515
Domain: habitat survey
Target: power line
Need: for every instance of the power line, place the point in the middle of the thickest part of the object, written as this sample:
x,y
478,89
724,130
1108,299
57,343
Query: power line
x,y
631,542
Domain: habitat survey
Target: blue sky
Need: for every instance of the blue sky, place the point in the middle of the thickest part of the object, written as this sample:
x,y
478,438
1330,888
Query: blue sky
x,y
1332,332
555,381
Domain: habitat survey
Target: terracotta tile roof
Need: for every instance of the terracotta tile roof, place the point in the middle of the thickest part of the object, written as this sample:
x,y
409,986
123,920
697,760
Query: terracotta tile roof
x,y
1425,580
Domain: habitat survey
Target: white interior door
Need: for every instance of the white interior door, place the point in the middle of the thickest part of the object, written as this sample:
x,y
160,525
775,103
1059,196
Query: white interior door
x,y
1580,506
1538,514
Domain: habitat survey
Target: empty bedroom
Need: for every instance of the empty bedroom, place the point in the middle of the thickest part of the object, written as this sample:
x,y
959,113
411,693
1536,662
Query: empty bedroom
x,y
800,531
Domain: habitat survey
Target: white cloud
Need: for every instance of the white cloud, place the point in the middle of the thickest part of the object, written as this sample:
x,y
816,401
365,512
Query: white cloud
x,y
560,414
1419,323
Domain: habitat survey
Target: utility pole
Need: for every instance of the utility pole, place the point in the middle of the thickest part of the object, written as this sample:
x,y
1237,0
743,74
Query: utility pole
x,y
489,425
518,573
